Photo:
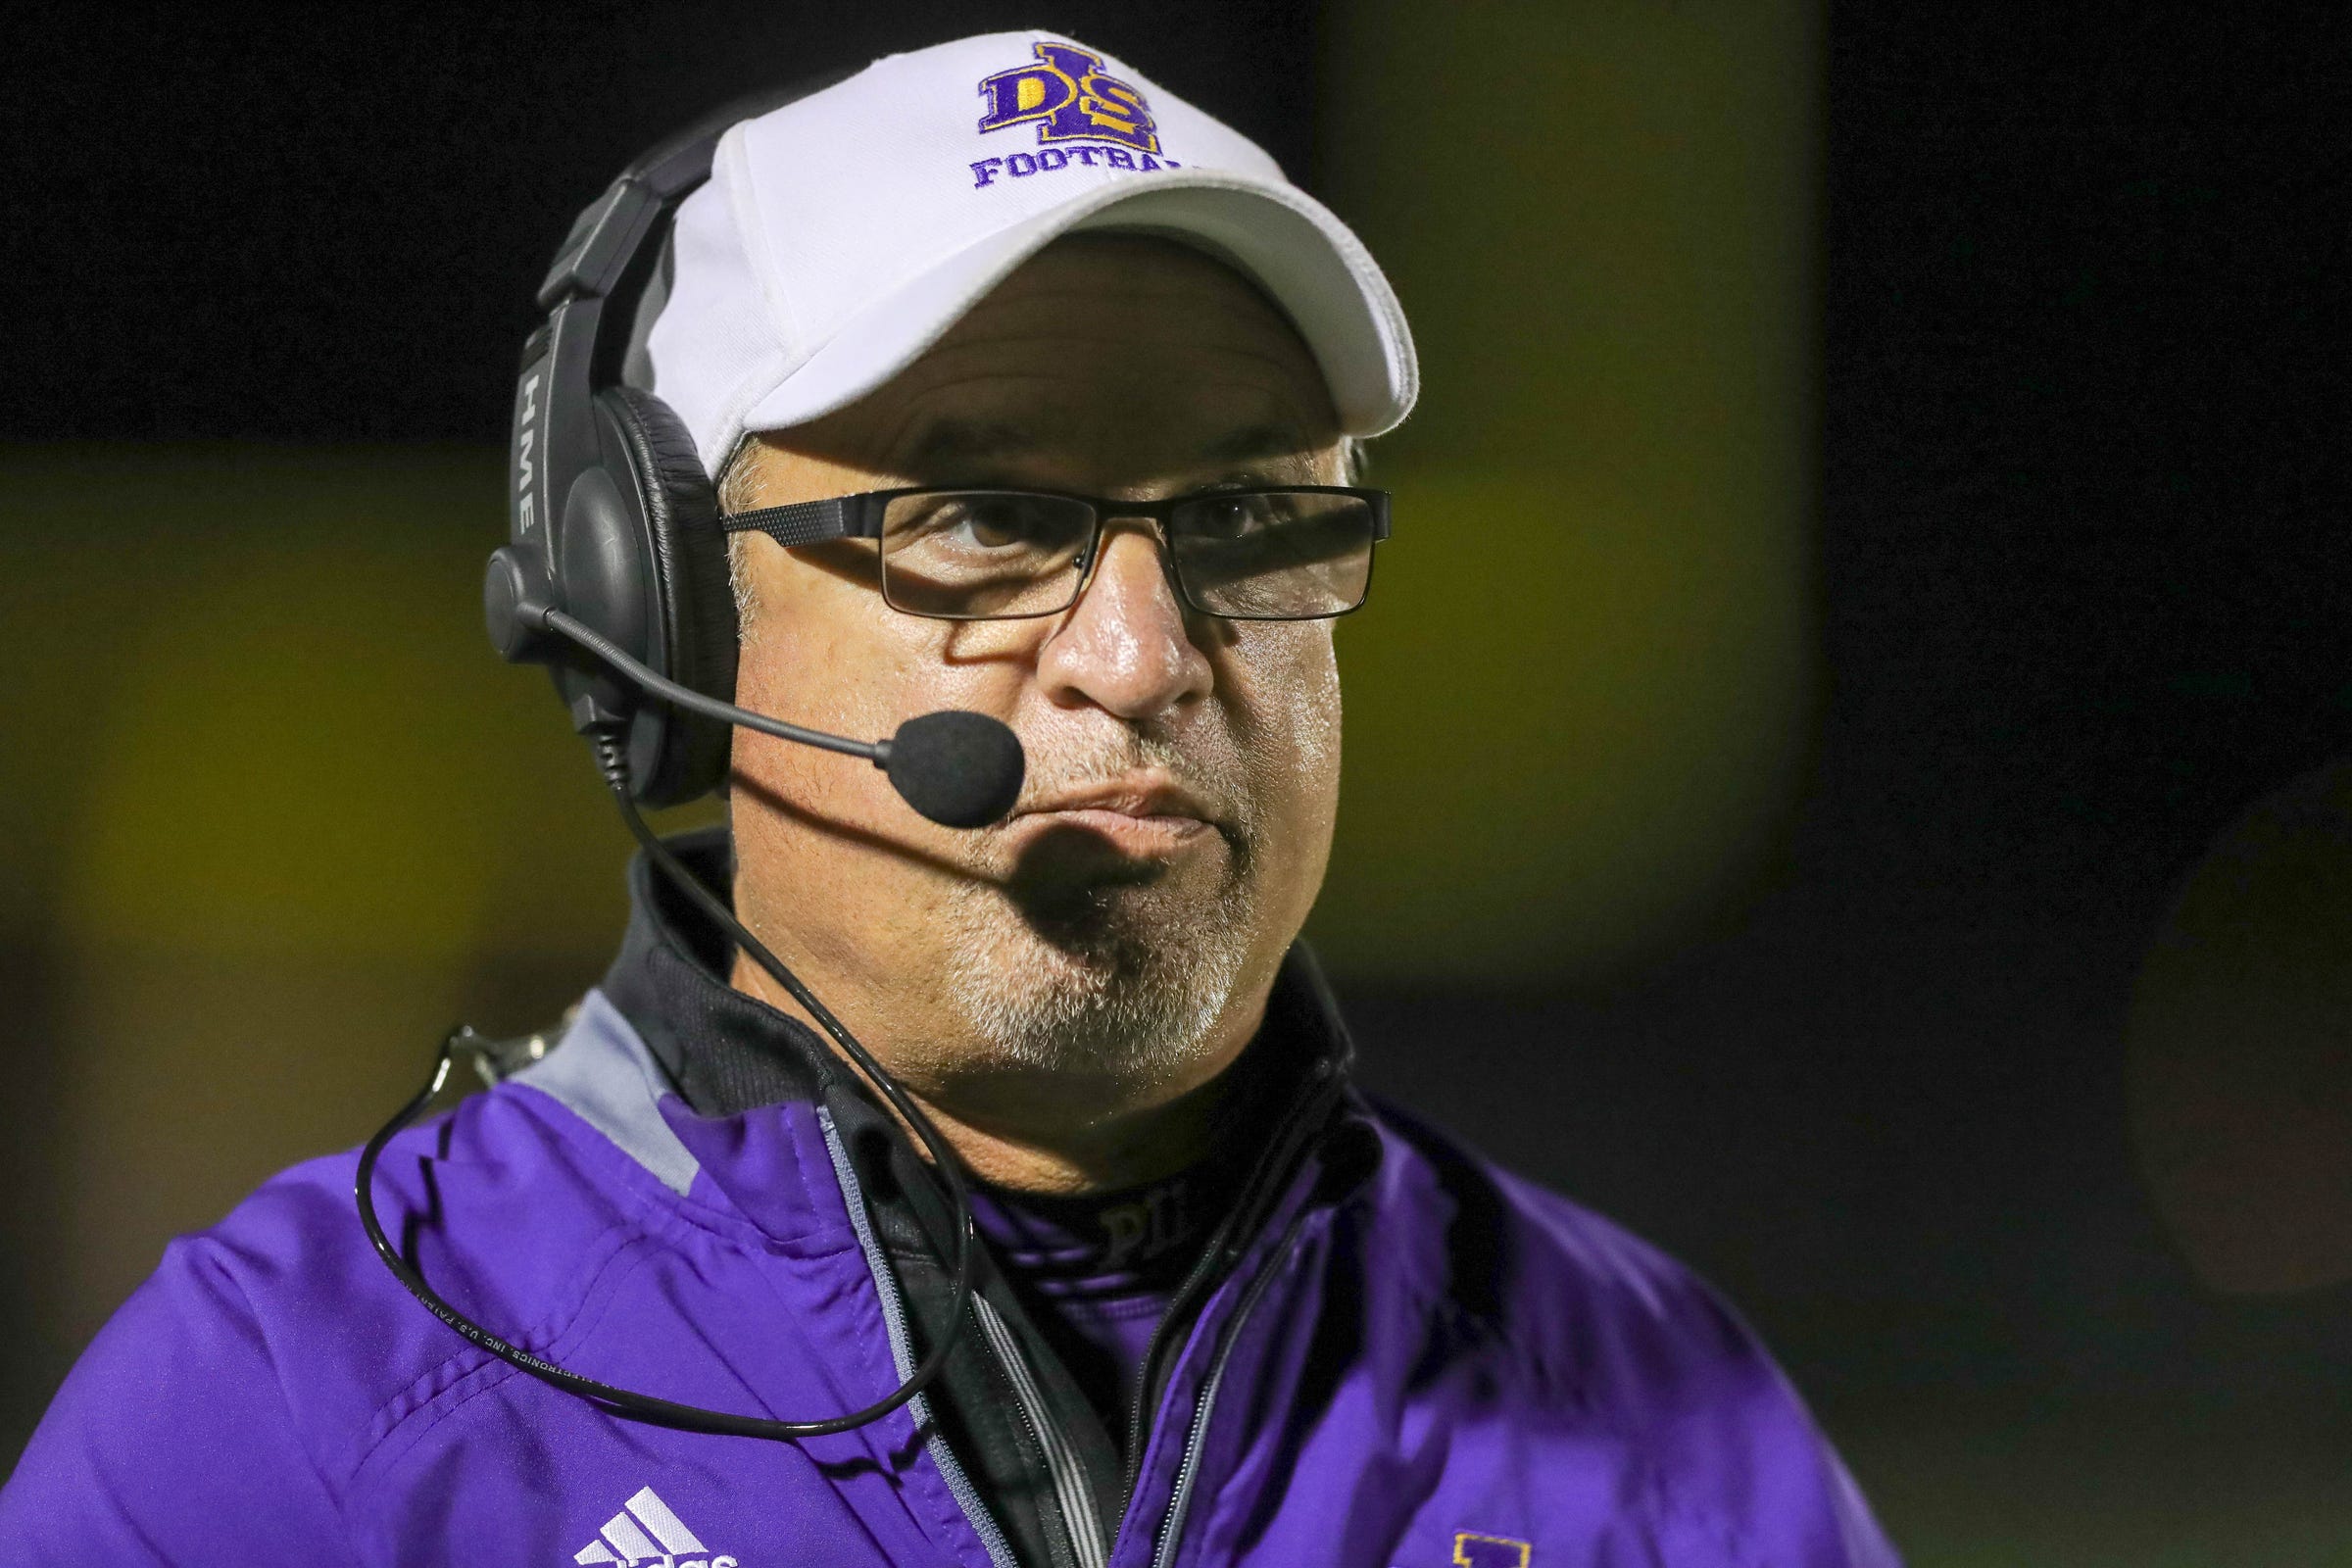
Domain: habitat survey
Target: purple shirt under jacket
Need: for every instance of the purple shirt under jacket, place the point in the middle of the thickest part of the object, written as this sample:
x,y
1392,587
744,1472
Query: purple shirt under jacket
x,y
1099,1273
1439,1366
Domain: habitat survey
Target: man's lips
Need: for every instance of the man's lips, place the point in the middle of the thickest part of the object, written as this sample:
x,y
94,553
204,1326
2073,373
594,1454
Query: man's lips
x,y
1141,814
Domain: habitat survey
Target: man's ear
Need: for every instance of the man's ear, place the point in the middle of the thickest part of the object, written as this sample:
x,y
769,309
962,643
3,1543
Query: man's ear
x,y
1355,460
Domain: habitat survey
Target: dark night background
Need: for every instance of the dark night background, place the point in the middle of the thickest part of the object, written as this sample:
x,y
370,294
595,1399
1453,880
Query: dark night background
x,y
2082,501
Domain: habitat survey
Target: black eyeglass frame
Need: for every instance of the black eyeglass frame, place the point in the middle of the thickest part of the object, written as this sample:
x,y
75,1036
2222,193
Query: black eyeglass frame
x,y
860,516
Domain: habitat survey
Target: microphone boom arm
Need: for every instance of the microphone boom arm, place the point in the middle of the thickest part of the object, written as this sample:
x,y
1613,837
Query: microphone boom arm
x,y
686,697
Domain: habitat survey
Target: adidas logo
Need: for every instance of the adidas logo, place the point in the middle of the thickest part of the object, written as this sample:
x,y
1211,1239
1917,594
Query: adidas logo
x,y
644,1531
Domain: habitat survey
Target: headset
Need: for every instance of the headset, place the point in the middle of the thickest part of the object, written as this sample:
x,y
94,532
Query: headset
x,y
615,576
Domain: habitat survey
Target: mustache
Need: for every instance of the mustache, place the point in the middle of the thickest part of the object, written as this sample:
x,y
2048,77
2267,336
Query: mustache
x,y
1061,768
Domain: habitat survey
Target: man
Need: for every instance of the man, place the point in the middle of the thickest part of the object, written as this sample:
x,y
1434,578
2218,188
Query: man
x,y
1225,1310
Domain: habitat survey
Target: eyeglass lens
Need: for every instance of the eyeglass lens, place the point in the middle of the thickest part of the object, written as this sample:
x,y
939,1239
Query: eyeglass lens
x,y
1260,554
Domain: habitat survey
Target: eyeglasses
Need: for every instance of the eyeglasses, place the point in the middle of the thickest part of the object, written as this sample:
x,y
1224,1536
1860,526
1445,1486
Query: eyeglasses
x,y
1299,552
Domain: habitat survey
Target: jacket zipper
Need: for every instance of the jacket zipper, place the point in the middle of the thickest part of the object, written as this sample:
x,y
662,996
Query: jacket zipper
x,y
1205,1272
1282,1160
1061,1464
1196,1438
1070,1486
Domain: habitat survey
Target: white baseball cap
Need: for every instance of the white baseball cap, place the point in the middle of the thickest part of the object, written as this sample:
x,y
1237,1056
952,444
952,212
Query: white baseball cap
x,y
841,235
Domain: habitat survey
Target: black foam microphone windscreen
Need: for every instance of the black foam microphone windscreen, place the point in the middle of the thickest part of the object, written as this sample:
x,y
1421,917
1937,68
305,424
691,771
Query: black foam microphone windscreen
x,y
958,769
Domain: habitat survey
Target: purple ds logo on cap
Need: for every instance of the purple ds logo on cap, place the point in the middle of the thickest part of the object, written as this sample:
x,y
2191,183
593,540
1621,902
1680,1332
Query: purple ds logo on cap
x,y
1070,98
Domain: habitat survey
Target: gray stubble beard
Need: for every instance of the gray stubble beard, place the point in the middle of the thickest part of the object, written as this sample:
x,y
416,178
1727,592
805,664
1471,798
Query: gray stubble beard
x,y
1121,992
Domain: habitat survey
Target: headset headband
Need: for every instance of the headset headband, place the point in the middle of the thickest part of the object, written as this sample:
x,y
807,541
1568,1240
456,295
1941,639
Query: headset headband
x,y
571,488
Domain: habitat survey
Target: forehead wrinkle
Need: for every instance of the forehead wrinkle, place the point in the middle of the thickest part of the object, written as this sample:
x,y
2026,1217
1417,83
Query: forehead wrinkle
x,y
1265,440
1282,399
920,405
916,450
962,439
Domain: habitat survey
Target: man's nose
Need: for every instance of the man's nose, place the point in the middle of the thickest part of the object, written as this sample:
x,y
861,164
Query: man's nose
x,y
1126,647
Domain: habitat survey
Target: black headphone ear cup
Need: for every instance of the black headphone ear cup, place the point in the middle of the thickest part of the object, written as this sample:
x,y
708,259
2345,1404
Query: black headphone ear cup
x,y
675,757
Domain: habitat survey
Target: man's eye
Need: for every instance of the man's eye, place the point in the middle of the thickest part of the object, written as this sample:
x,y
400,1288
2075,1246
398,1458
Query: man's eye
x,y
1232,517
973,523
988,524
984,527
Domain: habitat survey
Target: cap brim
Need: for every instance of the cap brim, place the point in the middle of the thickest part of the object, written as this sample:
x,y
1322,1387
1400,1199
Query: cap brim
x,y
1290,245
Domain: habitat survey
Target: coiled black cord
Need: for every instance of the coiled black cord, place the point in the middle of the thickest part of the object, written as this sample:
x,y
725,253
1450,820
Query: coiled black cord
x,y
612,756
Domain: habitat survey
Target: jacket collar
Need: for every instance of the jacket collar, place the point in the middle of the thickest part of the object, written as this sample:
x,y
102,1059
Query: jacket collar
x,y
727,1052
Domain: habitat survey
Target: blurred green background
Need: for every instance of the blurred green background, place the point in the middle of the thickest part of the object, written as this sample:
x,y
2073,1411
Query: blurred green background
x,y
1745,829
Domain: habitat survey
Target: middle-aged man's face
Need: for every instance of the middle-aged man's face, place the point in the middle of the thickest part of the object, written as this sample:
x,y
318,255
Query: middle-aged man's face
x,y
1110,944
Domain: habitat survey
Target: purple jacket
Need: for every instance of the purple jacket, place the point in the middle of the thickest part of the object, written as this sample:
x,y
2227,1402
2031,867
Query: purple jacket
x,y
1394,1355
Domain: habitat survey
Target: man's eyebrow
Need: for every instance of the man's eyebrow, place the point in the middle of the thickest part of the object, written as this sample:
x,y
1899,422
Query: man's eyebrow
x,y
1255,441
953,443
